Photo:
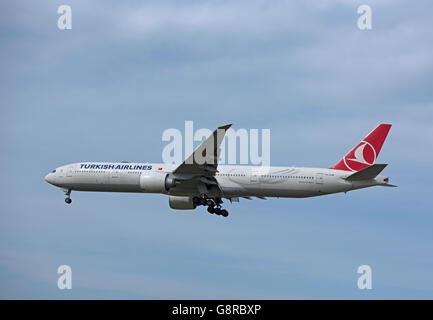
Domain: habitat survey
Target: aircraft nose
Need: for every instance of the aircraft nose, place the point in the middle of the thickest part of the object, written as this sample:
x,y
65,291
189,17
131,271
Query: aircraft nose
x,y
49,178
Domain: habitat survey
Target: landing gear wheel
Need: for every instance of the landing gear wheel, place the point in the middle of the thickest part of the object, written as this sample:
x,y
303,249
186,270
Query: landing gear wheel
x,y
68,199
224,213
217,211
211,210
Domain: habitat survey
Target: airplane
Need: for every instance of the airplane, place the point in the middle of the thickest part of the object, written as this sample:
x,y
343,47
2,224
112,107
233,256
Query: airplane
x,y
200,181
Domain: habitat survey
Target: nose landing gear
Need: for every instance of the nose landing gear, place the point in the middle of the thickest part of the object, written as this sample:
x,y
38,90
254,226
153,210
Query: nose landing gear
x,y
68,199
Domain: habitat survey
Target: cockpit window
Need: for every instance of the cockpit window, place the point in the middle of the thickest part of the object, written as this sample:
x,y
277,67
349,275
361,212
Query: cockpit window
x,y
53,171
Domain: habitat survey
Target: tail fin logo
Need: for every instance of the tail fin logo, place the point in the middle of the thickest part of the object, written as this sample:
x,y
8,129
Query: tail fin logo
x,y
363,156
365,153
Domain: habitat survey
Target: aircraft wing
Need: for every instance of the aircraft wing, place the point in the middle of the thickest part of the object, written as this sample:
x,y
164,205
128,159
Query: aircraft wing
x,y
204,160
199,169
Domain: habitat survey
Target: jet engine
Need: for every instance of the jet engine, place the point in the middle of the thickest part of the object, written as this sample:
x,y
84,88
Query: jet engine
x,y
181,203
156,182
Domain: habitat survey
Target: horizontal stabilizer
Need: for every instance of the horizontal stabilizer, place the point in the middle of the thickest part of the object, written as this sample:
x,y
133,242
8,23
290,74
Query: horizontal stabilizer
x,y
389,185
368,173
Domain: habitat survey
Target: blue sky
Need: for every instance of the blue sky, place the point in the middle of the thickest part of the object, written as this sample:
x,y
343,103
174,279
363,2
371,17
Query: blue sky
x,y
127,71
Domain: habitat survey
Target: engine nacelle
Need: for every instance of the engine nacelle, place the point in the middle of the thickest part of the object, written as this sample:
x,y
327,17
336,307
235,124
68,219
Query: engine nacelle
x,y
181,203
156,182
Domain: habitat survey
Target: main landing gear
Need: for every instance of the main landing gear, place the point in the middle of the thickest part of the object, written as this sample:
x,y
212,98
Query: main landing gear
x,y
68,199
213,205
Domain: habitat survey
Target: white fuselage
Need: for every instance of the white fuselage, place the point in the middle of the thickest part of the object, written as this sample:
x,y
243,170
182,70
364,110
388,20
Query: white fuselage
x,y
233,181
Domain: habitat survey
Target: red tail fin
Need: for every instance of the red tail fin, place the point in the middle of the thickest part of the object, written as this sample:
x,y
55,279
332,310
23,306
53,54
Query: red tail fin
x,y
365,153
